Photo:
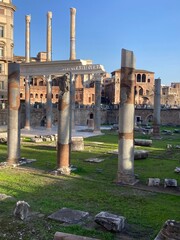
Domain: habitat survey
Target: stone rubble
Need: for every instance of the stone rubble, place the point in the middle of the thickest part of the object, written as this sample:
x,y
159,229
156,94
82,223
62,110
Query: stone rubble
x,y
21,210
110,221
170,230
153,181
170,182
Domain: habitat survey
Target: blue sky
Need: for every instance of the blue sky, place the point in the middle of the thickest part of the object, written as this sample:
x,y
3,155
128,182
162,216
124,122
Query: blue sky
x,y
150,28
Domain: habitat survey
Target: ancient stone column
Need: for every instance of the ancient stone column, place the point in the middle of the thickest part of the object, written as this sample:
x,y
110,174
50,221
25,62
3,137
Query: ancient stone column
x,y
49,36
157,109
97,109
27,43
27,103
49,102
126,119
73,34
13,113
73,90
63,143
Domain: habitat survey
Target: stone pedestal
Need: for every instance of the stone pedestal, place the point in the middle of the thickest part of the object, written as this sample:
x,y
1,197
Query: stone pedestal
x,y
77,144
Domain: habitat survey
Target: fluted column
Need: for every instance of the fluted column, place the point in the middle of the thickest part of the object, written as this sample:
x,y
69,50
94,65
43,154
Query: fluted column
x,y
126,119
49,102
97,109
27,41
49,36
13,113
157,109
64,111
27,103
73,34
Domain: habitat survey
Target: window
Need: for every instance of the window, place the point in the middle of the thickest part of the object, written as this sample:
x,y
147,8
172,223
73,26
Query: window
x,y
93,97
1,68
36,96
21,95
1,31
1,11
1,85
58,95
144,78
1,51
31,95
139,78
149,80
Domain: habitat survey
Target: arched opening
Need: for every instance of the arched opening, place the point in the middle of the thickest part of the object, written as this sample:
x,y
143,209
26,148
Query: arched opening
x,y
139,77
141,92
144,78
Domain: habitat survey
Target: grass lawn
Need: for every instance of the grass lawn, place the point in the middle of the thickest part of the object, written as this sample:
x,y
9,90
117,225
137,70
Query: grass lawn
x,y
92,188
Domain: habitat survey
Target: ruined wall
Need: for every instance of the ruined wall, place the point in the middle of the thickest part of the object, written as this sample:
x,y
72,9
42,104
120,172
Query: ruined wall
x,y
168,116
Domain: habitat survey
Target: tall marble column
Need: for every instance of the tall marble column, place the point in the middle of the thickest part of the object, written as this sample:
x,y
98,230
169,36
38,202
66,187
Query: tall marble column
x,y
27,39
157,109
97,109
49,36
49,102
27,103
64,111
73,91
126,120
73,34
13,113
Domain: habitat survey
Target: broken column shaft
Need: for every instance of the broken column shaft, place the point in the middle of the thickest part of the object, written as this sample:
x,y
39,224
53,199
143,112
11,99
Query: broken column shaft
x,y
63,144
49,102
27,102
97,112
126,119
49,36
157,109
13,113
73,34
27,41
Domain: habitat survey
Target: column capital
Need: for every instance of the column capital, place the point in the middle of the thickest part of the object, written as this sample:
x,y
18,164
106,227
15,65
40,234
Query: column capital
x,y
73,10
49,14
28,18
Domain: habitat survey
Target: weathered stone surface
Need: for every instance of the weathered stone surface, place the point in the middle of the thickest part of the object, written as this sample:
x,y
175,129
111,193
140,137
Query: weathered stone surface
x,y
110,221
70,216
170,231
3,140
177,169
140,154
94,160
36,139
170,182
66,236
143,142
77,144
153,182
4,196
21,210
167,132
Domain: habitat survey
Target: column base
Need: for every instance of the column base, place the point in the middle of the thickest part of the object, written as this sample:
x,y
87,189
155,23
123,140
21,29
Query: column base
x,y
64,170
27,127
126,179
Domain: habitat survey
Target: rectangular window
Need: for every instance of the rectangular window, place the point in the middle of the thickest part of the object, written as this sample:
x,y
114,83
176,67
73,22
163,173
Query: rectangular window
x,y
1,85
1,31
1,51
0,68
2,11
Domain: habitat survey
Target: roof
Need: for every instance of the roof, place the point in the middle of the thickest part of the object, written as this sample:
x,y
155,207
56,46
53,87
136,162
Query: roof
x,y
136,70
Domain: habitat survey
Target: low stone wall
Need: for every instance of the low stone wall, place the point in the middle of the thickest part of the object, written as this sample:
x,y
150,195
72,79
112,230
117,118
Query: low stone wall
x,y
168,116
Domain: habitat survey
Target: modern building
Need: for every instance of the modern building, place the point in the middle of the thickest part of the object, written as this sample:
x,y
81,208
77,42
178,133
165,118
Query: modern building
x,y
7,10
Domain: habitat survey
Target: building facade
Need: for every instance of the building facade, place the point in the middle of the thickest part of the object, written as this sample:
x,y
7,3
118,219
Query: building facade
x,y
7,10
144,87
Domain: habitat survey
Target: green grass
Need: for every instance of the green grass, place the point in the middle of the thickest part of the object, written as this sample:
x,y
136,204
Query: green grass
x,y
91,188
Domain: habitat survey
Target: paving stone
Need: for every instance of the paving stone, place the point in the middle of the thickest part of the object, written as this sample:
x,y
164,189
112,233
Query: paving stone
x,y
70,216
